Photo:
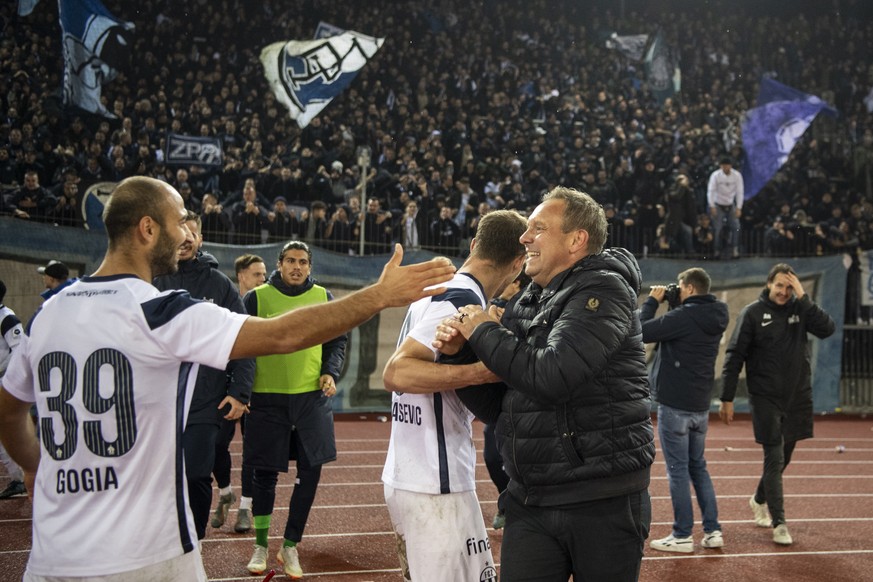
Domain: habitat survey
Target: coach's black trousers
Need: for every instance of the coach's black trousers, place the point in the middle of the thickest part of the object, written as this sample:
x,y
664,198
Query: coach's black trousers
x,y
198,442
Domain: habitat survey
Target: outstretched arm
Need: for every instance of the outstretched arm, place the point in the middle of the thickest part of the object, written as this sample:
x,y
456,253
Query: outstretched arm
x,y
308,326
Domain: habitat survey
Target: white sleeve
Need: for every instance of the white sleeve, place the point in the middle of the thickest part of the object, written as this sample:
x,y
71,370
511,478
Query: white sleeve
x,y
740,191
424,329
203,333
18,379
711,194
13,335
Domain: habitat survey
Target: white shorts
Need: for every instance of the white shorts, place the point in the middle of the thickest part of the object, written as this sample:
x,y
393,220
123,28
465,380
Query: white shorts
x,y
441,537
187,567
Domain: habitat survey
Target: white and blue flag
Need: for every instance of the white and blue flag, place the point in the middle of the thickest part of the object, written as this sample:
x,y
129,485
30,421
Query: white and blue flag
x,y
772,129
662,69
25,7
633,46
95,44
306,75
327,30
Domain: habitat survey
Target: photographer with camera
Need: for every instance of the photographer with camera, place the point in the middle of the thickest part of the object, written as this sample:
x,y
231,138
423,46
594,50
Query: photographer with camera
x,y
682,378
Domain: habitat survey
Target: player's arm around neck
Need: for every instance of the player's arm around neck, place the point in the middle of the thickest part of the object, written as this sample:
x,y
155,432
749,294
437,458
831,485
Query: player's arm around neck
x,y
411,369
315,324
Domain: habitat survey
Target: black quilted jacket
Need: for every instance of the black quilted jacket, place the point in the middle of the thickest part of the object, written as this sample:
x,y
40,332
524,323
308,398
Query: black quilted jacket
x,y
574,417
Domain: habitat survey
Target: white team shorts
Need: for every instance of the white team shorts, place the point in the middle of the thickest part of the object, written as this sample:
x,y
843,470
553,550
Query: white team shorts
x,y
441,537
187,567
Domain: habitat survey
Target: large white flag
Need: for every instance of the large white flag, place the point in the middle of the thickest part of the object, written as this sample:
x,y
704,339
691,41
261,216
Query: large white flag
x,y
306,75
95,42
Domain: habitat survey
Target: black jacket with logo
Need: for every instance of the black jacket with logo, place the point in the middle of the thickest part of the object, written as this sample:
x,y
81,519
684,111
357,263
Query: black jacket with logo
x,y
574,418
771,340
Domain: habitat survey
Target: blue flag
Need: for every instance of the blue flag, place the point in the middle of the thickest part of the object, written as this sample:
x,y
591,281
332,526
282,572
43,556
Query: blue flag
x,y
95,44
632,46
306,75
772,129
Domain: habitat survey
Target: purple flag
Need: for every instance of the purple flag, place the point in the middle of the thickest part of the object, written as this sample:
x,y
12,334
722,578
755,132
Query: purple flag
x,y
772,129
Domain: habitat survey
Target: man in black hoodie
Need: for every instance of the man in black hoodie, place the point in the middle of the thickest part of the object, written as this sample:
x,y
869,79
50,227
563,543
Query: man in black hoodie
x,y
682,376
218,393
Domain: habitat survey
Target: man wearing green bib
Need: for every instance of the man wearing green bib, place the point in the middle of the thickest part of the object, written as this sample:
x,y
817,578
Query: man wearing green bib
x,y
291,415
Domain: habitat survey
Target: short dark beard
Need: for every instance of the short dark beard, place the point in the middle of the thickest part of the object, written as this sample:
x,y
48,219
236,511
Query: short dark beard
x,y
164,258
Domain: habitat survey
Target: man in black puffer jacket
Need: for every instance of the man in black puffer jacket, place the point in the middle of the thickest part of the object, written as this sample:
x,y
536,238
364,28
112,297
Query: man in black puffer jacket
x,y
573,408
218,393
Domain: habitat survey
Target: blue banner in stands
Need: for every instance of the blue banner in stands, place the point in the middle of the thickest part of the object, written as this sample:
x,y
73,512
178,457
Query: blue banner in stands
x,y
188,150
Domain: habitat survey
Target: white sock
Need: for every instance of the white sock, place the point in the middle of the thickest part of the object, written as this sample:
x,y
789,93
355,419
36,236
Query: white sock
x,y
225,490
245,502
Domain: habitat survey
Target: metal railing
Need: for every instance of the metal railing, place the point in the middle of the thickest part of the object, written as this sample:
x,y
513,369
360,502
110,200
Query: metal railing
x,y
856,378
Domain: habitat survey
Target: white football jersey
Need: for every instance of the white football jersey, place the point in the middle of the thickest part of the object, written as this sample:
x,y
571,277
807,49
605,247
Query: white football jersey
x,y
10,335
111,364
431,448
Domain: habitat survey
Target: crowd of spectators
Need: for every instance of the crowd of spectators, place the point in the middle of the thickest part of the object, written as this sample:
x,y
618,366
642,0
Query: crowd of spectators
x,y
467,107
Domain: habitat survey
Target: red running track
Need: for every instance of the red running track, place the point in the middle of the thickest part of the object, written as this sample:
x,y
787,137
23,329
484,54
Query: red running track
x,y
828,500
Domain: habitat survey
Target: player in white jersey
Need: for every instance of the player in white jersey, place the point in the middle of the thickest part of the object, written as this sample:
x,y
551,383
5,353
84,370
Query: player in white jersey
x,y
10,336
430,472
110,363
10,331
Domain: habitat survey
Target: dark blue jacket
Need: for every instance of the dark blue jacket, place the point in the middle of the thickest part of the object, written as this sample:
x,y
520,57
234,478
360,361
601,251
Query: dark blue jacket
x,y
49,293
201,278
683,370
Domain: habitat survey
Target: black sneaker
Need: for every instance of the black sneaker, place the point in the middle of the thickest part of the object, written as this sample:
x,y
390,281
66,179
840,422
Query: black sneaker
x,y
14,489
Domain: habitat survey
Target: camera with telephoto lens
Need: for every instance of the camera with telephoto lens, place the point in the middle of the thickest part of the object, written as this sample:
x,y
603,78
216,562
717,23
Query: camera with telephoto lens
x,y
671,295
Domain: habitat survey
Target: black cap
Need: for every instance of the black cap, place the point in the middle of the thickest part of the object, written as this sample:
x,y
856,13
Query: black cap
x,y
55,269
726,160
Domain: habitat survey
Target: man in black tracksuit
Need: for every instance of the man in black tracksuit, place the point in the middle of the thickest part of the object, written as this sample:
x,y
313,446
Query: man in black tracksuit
x,y
217,393
573,408
771,340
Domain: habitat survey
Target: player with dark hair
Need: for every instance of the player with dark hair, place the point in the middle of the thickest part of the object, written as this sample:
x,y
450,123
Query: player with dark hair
x,y
291,415
429,475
